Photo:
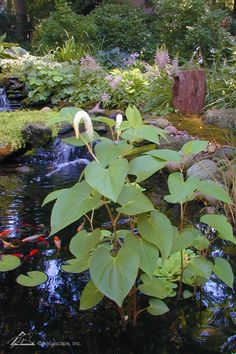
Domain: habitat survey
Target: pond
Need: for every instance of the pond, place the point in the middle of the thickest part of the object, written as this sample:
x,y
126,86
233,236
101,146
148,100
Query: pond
x,y
47,318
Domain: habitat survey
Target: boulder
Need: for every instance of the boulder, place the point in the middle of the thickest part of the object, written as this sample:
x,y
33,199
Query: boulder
x,y
5,151
46,109
36,134
222,118
204,169
158,122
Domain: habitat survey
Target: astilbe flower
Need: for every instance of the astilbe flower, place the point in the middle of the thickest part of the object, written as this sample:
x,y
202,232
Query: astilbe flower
x,y
162,59
105,97
114,81
82,115
132,59
88,63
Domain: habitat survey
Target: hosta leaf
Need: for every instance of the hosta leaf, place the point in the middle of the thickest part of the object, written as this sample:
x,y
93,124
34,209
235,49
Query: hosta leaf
x,y
194,147
213,190
221,225
114,276
147,252
90,297
72,204
158,230
8,262
83,243
33,278
157,307
166,155
107,181
108,151
223,270
75,265
145,166
133,201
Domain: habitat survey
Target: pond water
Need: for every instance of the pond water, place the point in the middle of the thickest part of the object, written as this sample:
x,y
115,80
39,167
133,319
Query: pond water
x,y
48,317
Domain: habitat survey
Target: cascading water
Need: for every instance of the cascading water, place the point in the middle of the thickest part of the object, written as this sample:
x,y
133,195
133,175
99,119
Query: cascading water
x,y
4,103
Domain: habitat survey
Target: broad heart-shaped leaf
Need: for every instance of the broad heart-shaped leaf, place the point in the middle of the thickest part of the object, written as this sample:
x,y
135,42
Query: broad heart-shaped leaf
x,y
145,166
82,139
73,203
107,181
201,267
65,115
221,225
201,243
147,252
180,190
90,297
134,117
33,278
114,276
158,230
52,196
107,151
75,265
145,132
184,239
8,262
157,287
133,201
213,190
83,243
223,270
110,122
166,155
157,307
194,147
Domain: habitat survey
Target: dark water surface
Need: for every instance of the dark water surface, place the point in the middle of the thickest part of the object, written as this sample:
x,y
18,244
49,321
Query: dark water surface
x,y
49,315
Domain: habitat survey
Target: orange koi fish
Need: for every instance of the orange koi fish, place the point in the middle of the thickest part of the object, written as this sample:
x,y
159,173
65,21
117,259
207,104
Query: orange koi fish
x,y
31,238
57,243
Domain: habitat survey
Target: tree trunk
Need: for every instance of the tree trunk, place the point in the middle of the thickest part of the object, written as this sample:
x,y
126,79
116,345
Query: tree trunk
x,y
21,19
234,9
189,91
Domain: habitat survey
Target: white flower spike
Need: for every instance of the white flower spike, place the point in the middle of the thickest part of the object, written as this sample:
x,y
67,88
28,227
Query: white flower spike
x,y
119,120
82,115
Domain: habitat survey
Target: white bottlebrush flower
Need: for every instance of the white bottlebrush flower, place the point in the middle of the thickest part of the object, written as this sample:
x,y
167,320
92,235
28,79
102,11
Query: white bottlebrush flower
x,y
82,115
119,120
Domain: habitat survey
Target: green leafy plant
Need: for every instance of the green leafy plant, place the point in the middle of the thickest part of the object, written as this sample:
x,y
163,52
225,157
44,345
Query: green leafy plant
x,y
151,257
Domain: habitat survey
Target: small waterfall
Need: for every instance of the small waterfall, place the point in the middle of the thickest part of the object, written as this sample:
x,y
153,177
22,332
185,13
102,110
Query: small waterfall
x,y
66,155
4,103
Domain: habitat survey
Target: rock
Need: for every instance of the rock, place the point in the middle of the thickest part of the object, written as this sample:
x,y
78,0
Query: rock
x,y
158,122
225,152
100,129
36,134
171,130
204,169
46,109
208,210
5,151
65,128
173,167
113,114
208,338
222,118
23,169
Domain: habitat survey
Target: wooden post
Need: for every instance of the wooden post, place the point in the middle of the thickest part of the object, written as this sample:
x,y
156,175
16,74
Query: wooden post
x,y
189,91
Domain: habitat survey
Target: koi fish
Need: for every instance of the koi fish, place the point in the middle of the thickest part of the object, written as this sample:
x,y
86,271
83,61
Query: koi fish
x,y
32,253
19,255
42,239
31,238
5,233
57,242
7,245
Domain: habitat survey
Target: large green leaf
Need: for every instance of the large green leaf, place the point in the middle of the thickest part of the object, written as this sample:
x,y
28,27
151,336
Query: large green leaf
x,y
110,122
33,278
107,181
145,132
73,203
75,265
65,115
157,307
213,190
83,138
90,297
184,240
157,287
180,190
201,267
220,224
201,243
134,117
108,151
166,155
8,262
114,276
83,243
158,230
223,270
52,196
145,166
147,252
133,201
194,147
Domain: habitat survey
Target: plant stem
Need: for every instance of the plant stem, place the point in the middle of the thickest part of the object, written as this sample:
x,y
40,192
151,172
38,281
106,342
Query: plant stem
x,y
134,306
180,289
122,316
